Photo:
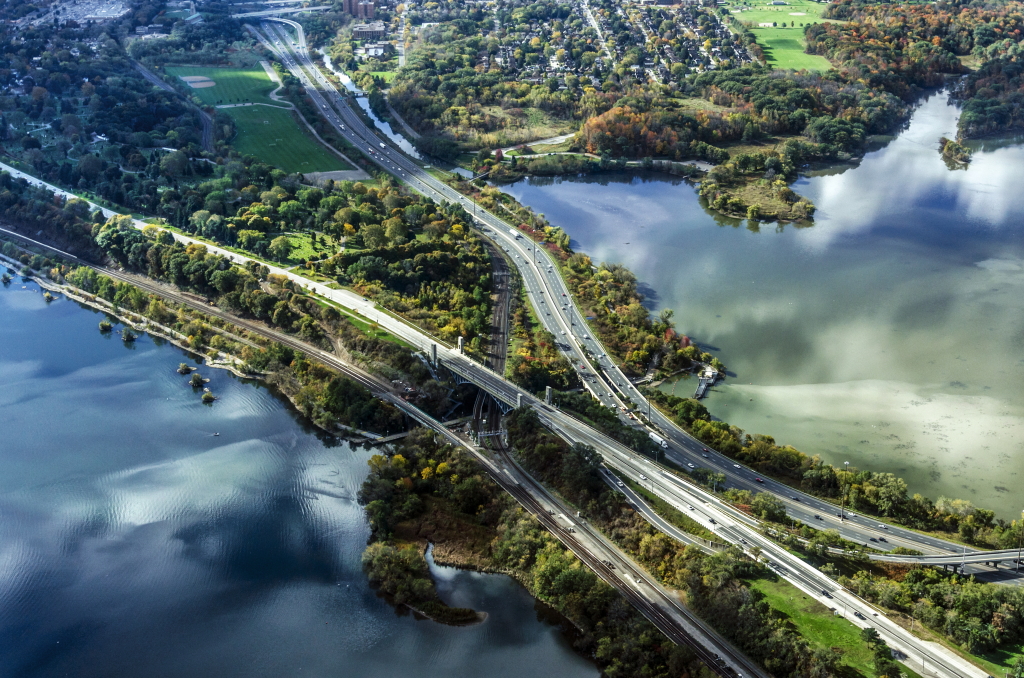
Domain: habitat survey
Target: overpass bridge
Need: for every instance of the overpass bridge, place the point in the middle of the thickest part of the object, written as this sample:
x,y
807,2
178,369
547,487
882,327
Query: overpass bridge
x,y
278,11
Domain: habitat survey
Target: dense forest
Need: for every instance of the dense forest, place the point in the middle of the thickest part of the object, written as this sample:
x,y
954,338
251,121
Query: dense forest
x,y
75,110
895,47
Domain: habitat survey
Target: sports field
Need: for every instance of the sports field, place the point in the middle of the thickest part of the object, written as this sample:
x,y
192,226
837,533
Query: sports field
x,y
229,85
784,48
270,131
274,136
783,43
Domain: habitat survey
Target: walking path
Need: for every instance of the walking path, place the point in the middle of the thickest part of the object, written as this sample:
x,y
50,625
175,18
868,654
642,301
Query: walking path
x,y
394,114
542,142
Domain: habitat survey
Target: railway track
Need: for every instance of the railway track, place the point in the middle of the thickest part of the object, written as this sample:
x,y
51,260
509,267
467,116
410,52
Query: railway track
x,y
530,494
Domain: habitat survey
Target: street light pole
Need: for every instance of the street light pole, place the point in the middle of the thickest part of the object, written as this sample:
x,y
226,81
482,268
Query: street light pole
x,y
842,506
1020,541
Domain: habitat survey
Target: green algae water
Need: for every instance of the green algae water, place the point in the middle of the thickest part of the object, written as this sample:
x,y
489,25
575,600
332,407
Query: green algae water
x,y
889,334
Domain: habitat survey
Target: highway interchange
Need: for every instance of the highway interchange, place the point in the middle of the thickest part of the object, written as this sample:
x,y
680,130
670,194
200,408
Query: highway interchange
x,y
558,312
546,290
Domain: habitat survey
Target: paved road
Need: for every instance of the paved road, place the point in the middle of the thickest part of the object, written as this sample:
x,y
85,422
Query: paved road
x,y
652,516
660,606
560,316
615,454
282,10
538,282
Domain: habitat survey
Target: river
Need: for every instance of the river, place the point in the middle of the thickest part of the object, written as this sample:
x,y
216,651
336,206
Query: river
x,y
136,542
889,334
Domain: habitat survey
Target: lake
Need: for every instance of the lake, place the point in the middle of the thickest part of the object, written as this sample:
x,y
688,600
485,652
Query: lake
x,y
888,334
135,542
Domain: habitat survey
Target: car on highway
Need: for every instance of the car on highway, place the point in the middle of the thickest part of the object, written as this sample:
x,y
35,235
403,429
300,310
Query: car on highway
x,y
690,465
689,507
643,477
817,517
735,465
758,480
620,484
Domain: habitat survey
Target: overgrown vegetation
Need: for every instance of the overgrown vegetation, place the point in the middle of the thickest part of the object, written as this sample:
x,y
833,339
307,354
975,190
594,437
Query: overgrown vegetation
x,y
883,494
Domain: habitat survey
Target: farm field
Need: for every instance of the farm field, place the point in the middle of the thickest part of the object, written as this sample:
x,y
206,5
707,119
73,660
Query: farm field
x,y
783,46
274,136
231,85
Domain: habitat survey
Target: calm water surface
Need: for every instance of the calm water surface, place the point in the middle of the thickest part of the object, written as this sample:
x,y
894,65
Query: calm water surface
x,y
134,542
889,334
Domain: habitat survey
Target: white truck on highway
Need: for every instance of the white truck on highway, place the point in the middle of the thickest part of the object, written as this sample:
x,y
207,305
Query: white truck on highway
x,y
658,439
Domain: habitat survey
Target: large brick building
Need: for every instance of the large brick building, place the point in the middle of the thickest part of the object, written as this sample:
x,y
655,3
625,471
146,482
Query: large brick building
x,y
361,9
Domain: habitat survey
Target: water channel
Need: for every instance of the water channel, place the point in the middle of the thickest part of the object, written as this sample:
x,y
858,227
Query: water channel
x,y
889,334
136,542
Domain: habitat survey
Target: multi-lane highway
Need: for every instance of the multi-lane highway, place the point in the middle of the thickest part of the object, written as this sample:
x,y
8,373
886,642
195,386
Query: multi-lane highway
x,y
547,292
558,312
656,603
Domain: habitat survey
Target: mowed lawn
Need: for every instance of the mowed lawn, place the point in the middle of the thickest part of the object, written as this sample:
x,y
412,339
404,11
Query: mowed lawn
x,y
232,85
274,136
784,47
268,131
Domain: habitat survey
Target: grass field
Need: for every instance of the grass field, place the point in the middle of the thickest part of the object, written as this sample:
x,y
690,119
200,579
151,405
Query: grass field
x,y
816,624
820,627
268,132
233,85
783,47
274,136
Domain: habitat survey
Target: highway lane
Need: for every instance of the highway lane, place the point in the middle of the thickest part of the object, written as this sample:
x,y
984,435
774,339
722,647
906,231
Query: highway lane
x,y
560,316
660,606
618,456
615,455
650,515
541,282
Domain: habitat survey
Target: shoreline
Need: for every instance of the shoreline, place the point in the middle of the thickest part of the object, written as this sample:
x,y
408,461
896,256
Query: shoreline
x,y
231,363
